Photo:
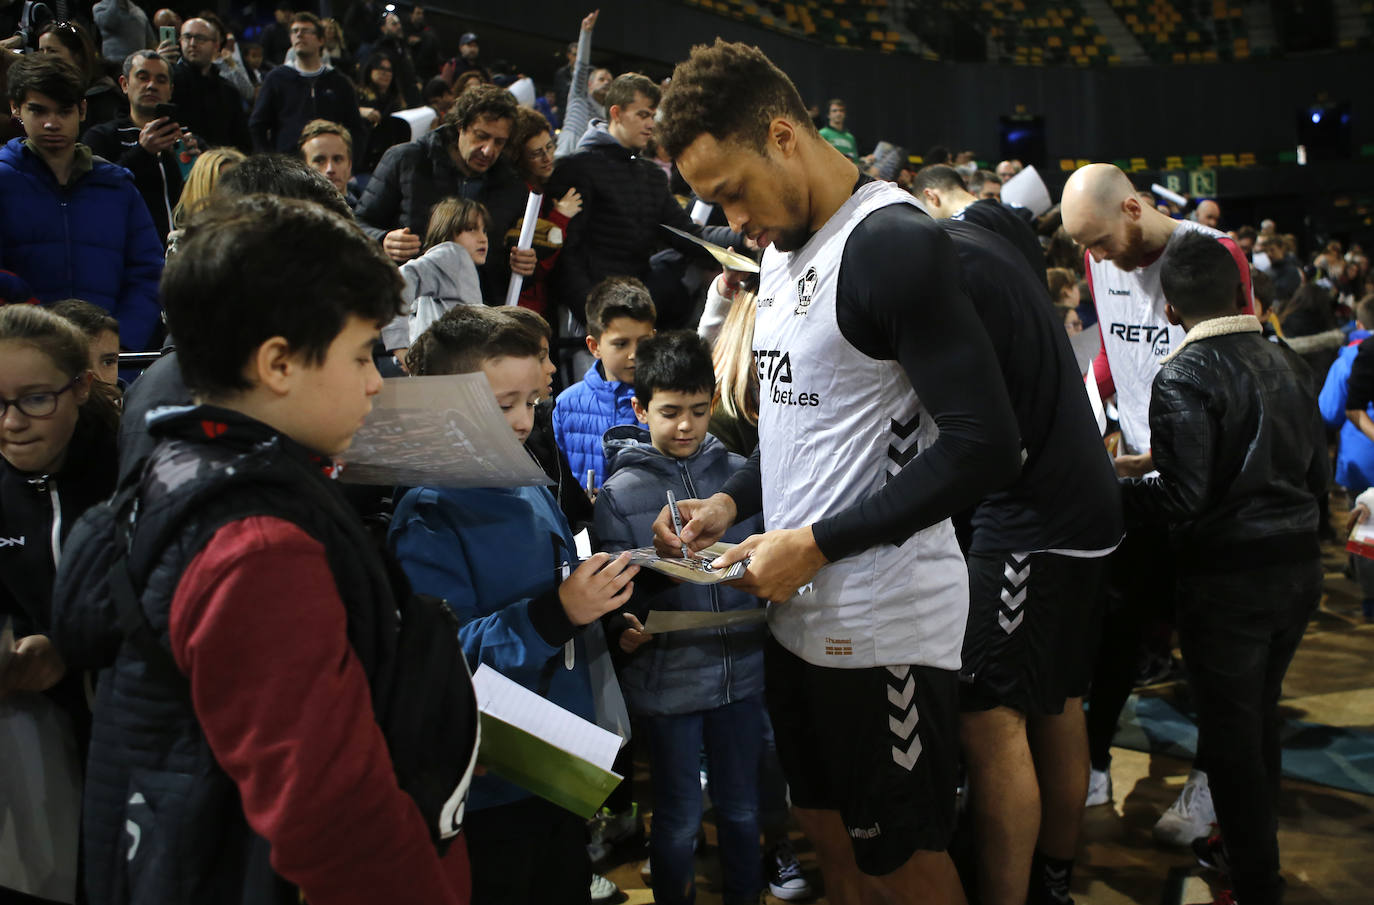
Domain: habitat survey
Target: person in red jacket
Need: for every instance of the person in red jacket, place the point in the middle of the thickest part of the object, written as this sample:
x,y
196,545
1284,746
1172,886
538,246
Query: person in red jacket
x,y
532,146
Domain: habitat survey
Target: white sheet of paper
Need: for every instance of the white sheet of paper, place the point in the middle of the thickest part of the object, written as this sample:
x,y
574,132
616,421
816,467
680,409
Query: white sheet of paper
x,y
515,704
439,432
662,621
1026,189
1363,533
418,118
1086,344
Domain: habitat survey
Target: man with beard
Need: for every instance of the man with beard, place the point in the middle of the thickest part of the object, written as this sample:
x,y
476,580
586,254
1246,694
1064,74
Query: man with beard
x,y
881,413
1127,243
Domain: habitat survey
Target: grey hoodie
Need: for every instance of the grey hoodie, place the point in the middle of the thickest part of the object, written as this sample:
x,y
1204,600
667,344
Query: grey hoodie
x,y
442,278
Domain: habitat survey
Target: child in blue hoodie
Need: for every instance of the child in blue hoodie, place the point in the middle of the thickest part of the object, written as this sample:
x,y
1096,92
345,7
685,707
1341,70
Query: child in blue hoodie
x,y
698,686
620,313
504,558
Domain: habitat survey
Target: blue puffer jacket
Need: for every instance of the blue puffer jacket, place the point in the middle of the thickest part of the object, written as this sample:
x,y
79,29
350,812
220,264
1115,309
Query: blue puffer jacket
x,y
687,671
583,414
1355,458
496,555
92,240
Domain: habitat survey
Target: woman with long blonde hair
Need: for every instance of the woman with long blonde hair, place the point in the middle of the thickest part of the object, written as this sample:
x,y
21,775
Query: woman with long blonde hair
x,y
201,181
735,412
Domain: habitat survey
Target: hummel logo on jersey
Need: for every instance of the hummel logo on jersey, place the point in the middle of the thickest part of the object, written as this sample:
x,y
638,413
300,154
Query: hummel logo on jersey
x,y
1118,291
806,291
865,832
11,541
1155,335
763,303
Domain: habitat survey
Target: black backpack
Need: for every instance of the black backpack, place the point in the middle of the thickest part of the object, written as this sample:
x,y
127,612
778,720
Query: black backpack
x,y
422,692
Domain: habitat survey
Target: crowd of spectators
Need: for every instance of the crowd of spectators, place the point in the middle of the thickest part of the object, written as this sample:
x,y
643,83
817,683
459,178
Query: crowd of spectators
x,y
337,175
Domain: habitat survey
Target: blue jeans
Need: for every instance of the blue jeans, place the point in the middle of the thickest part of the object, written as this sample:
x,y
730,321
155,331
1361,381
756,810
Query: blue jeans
x,y
733,737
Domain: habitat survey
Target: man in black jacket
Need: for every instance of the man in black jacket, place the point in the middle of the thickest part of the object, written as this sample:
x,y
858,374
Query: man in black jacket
x,y
308,89
625,198
208,105
1233,419
944,195
462,157
143,142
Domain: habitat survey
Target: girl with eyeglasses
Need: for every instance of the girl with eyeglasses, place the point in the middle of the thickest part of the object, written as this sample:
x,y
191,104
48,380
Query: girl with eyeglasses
x,y
57,459
531,147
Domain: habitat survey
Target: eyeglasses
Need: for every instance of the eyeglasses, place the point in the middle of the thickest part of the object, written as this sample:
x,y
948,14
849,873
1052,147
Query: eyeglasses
x,y
381,68
544,153
37,405
195,38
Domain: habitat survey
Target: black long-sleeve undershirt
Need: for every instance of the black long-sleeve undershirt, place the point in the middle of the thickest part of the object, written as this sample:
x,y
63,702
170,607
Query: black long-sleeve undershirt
x,y
899,297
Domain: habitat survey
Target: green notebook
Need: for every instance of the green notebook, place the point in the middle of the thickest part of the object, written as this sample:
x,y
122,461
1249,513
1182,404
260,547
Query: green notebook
x,y
539,746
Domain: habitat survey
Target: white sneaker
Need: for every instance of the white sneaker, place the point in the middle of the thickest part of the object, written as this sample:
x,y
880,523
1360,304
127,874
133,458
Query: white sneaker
x,y
785,879
1099,787
1190,816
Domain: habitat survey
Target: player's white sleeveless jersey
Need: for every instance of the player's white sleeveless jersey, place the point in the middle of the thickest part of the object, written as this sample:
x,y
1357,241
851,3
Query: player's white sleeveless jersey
x,y
1136,334
833,425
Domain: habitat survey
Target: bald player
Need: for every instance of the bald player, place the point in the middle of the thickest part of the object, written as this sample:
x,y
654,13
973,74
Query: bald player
x,y
1127,242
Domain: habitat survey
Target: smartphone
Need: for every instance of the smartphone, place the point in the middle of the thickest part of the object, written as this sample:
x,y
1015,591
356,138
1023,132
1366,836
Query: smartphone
x,y
167,110
167,33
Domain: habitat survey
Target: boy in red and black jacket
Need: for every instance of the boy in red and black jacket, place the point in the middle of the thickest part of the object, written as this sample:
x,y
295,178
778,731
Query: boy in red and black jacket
x,y
251,765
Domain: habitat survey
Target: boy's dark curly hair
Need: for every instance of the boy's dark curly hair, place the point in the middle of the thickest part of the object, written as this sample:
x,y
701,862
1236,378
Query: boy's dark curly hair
x,y
730,92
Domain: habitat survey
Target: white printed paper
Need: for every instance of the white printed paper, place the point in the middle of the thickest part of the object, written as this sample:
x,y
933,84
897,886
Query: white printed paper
x,y
419,119
516,705
1026,189
439,432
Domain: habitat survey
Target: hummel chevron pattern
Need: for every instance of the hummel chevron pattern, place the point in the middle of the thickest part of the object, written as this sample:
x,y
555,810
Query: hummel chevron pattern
x,y
1010,614
903,725
903,447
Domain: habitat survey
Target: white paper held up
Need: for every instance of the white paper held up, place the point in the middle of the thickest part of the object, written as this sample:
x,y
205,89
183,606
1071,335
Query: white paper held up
x,y
439,431
1026,189
525,242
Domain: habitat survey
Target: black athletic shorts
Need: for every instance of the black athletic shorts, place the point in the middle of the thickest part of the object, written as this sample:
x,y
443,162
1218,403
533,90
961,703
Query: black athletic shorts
x,y
879,745
1032,617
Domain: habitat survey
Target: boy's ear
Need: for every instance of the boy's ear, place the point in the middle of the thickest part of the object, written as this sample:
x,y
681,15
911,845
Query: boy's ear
x,y
1242,300
1172,315
273,366
593,346
641,412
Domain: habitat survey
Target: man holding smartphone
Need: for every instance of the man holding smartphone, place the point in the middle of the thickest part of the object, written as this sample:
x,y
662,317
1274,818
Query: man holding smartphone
x,y
209,106
145,141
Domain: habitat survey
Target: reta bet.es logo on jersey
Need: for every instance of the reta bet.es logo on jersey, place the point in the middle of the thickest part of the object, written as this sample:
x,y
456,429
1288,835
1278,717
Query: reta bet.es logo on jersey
x,y
1155,335
774,368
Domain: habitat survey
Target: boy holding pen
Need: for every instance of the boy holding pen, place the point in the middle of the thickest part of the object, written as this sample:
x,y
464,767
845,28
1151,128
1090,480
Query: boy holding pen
x,y
695,687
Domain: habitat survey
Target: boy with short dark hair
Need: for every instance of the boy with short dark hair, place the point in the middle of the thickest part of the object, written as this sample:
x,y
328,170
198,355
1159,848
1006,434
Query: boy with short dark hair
x,y
694,687
72,224
1232,426
505,561
620,313
243,758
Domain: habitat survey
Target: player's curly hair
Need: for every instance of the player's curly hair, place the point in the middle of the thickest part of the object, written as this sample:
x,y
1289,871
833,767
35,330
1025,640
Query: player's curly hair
x,y
730,92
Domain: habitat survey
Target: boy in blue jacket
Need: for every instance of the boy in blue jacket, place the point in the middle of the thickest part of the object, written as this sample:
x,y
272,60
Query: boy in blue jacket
x,y
620,313
504,558
697,686
73,225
